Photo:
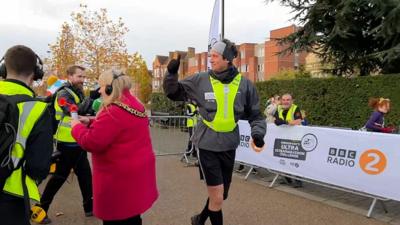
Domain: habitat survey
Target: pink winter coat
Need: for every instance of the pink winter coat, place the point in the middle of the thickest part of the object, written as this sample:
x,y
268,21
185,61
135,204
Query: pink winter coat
x,y
124,174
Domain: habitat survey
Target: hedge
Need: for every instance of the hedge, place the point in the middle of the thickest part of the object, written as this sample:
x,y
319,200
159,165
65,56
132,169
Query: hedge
x,y
160,103
337,102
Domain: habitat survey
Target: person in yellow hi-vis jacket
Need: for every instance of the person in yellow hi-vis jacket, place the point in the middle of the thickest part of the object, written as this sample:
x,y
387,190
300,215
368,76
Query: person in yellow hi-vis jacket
x,y
72,155
29,156
191,122
223,96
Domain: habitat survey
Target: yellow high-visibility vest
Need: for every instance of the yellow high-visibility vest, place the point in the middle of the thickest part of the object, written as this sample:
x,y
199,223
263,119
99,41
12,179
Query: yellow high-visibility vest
x,y
290,113
64,129
192,121
225,94
29,114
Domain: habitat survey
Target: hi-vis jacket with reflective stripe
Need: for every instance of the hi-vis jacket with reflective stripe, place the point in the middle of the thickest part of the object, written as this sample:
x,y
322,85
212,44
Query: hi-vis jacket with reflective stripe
x,y
192,112
221,104
32,131
63,133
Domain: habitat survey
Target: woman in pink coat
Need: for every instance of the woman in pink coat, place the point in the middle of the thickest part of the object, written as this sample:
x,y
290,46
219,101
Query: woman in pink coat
x,y
124,176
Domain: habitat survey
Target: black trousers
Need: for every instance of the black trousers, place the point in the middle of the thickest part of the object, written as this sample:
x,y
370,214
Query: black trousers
x,y
12,210
72,157
136,220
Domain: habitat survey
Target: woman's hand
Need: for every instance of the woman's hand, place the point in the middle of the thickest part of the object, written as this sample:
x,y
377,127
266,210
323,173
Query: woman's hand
x,y
74,122
84,119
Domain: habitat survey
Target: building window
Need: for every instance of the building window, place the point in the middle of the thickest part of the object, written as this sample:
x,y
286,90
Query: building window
x,y
242,54
243,68
260,67
261,52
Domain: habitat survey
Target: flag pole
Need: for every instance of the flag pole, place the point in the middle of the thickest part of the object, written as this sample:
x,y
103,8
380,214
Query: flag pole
x,y
223,20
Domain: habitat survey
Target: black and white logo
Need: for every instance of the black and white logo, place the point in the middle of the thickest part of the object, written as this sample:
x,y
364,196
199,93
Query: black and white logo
x,y
244,141
309,142
341,157
295,164
290,149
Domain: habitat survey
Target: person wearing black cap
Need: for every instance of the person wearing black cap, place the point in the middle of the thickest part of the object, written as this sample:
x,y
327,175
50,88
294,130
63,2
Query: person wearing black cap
x,y
223,97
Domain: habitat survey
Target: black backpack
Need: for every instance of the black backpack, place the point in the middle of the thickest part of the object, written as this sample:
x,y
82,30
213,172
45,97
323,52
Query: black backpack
x,y
9,114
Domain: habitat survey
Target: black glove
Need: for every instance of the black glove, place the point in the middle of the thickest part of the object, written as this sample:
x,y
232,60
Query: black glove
x,y
85,108
94,94
258,141
173,65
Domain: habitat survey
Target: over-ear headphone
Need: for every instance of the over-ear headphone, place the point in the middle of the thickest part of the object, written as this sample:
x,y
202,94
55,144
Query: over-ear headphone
x,y
230,51
37,72
109,87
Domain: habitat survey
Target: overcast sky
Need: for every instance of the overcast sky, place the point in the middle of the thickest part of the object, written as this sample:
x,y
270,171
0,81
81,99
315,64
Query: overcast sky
x,y
156,26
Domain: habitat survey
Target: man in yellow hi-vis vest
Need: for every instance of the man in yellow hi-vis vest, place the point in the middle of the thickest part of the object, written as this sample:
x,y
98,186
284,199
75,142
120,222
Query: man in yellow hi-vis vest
x,y
289,114
191,110
31,153
72,156
223,96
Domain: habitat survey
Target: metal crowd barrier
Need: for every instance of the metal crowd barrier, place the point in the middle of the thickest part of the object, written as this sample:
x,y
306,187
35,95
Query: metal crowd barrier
x,y
169,134
278,174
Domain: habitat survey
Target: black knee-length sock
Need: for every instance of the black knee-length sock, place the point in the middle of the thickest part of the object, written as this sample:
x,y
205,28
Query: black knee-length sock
x,y
205,213
216,217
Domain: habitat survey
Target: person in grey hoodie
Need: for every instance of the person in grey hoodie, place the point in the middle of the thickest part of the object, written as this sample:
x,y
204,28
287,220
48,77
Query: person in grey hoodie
x,y
223,96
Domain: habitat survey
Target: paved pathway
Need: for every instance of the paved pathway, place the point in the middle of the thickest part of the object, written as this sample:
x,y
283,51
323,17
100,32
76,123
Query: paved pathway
x,y
250,203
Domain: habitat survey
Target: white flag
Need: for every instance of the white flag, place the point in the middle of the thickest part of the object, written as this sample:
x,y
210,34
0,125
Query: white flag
x,y
215,32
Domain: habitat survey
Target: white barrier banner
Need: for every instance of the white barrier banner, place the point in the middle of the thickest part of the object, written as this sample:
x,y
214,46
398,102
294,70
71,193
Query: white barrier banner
x,y
363,161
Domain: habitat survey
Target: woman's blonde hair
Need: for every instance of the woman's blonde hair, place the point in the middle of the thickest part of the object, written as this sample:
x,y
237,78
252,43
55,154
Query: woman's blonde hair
x,y
119,82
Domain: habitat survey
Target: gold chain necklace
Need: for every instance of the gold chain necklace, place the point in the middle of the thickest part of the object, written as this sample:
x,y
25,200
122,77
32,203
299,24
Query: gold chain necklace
x,y
130,110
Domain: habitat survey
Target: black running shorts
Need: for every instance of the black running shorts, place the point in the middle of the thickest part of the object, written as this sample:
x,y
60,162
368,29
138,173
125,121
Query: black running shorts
x,y
217,168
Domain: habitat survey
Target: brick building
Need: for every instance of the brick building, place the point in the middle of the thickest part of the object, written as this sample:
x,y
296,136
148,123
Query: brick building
x,y
198,63
159,68
274,62
257,62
